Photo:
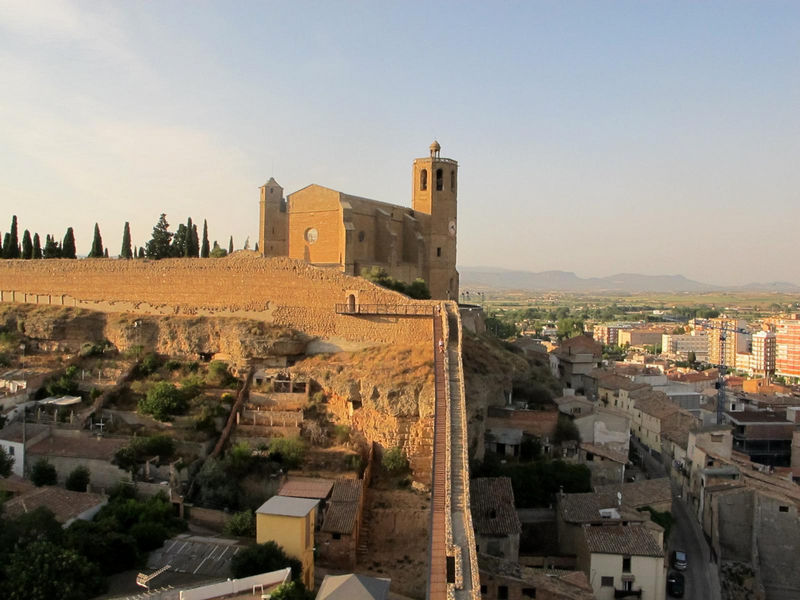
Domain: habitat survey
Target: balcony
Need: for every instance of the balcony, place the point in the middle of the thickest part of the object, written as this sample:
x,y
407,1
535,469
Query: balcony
x,y
627,593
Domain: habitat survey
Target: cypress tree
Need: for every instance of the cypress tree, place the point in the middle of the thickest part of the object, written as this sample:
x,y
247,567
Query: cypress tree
x,y
27,245
188,248
141,252
37,246
105,253
6,242
179,242
230,246
159,244
256,248
205,249
126,252
11,249
68,245
97,244
195,242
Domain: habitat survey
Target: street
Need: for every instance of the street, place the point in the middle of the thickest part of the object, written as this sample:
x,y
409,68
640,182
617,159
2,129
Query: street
x,y
702,576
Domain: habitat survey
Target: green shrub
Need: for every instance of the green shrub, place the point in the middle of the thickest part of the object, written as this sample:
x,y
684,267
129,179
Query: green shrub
x,y
218,374
394,460
341,433
173,365
290,452
242,524
163,400
263,558
78,479
43,473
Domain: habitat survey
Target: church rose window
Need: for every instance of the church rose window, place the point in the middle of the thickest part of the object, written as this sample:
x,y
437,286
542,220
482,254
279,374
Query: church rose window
x,y
311,235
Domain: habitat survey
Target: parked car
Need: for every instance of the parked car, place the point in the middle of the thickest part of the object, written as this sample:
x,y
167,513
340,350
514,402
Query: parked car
x,y
679,560
675,584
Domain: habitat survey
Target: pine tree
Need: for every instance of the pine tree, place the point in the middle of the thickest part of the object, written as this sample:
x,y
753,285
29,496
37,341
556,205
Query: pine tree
x,y
126,252
97,244
195,242
230,246
11,249
159,245
27,245
205,250
37,246
68,246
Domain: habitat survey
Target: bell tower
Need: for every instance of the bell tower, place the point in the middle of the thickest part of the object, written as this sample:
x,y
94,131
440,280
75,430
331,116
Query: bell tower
x,y
273,230
434,192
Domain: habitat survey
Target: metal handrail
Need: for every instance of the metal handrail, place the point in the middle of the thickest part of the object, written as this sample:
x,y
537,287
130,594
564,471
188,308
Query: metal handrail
x,y
385,309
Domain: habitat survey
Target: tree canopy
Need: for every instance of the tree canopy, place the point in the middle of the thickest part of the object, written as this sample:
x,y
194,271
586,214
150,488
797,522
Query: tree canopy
x,y
159,245
68,245
97,244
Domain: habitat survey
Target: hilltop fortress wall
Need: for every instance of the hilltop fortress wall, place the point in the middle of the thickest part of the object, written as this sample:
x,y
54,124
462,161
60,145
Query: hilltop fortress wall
x,y
279,291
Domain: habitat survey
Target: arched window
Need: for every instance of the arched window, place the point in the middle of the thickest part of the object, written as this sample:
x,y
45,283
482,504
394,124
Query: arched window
x,y
452,181
439,182
423,179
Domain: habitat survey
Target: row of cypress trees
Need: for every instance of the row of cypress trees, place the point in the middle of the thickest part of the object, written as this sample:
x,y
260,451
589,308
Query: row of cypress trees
x,y
185,242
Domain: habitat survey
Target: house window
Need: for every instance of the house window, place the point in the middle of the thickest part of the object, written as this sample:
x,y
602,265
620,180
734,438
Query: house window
x,y
607,581
626,564
627,586
423,179
484,589
502,592
780,508
438,251
439,180
529,592
11,450
337,536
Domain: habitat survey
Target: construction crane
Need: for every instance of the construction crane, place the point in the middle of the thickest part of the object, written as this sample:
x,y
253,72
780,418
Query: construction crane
x,y
723,338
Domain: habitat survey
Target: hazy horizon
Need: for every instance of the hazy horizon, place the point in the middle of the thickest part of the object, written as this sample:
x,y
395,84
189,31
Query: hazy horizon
x,y
656,138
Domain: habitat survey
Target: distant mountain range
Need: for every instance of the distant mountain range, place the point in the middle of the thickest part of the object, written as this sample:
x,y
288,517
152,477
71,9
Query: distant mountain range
x,y
565,281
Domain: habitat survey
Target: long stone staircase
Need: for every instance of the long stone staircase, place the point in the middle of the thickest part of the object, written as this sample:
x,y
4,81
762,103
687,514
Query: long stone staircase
x,y
453,560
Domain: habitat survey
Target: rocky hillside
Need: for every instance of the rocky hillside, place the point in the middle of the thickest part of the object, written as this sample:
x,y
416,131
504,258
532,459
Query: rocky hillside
x,y
66,329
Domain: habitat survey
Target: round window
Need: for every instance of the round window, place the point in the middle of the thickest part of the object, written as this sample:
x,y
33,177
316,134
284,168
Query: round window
x,y
311,235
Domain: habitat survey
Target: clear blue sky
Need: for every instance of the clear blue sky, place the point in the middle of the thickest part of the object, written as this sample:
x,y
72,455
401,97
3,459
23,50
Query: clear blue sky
x,y
595,137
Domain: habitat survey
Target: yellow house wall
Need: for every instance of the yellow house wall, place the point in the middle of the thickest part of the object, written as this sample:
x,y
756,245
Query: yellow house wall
x,y
290,533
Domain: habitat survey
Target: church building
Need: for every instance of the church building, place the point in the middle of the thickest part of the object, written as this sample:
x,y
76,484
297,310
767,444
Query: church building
x,y
328,228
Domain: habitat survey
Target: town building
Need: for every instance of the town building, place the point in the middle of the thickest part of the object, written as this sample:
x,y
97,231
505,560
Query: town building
x,y
339,536
680,345
574,360
621,561
494,517
764,436
353,587
787,347
503,579
329,228
289,522
608,335
726,334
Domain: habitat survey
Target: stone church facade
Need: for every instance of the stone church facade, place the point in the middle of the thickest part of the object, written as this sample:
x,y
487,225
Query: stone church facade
x,y
328,228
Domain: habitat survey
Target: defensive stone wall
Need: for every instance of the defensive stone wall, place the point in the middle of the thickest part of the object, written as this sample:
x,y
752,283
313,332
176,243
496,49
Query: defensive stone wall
x,y
279,291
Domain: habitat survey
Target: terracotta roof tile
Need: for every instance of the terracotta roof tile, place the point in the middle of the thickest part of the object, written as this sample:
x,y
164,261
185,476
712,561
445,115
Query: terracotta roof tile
x,y
306,487
492,505
64,504
620,539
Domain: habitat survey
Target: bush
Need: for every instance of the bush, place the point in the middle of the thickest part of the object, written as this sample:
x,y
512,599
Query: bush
x,y
43,473
566,430
394,460
242,524
263,558
172,365
341,433
78,479
218,374
378,275
290,452
89,349
163,400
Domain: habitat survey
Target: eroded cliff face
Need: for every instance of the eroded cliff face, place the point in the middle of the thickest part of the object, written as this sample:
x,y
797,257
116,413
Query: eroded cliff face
x,y
384,393
66,329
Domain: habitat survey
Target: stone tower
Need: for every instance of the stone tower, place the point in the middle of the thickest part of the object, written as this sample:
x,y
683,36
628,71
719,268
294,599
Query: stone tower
x,y
434,192
273,225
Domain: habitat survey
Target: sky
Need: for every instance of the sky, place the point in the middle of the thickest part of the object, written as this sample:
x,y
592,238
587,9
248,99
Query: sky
x,y
594,137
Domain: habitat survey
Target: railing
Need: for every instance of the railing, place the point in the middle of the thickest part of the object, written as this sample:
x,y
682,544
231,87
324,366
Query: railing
x,y
627,593
394,310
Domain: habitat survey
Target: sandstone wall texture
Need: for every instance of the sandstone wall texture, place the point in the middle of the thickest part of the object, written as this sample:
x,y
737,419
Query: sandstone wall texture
x,y
278,291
